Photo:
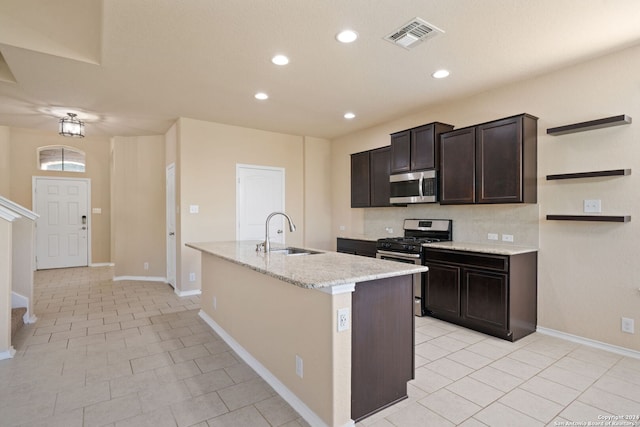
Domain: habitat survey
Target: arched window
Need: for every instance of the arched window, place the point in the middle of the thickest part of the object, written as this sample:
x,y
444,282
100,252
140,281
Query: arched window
x,y
61,158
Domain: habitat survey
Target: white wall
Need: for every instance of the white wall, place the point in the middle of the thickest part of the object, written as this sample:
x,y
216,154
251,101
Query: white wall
x,y
588,272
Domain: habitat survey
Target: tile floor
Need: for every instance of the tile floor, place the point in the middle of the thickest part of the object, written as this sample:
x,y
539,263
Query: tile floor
x,y
132,353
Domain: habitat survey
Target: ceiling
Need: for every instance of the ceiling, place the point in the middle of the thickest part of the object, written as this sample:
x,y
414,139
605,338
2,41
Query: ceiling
x,y
132,67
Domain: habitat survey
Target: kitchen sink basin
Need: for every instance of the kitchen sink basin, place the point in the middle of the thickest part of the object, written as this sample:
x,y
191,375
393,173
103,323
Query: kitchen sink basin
x,y
294,251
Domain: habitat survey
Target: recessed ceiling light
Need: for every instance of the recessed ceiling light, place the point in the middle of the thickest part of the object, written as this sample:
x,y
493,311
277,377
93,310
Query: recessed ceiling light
x,y
261,96
280,60
347,36
349,116
440,74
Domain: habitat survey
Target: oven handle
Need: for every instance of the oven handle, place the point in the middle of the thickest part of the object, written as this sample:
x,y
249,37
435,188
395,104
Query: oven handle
x,y
398,255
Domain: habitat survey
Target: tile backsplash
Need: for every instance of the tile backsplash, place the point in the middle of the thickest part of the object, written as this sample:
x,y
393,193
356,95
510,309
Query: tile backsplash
x,y
471,223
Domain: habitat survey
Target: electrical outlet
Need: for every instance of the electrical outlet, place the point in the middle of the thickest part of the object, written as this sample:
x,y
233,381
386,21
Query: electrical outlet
x,y
492,236
192,277
507,237
627,325
343,319
342,228
194,209
592,206
215,303
299,366
146,265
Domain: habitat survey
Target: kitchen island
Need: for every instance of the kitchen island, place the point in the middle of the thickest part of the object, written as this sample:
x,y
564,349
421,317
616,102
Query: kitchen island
x,y
331,333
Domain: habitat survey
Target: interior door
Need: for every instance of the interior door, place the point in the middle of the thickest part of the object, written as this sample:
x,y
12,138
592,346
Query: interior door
x,y
259,192
63,227
171,224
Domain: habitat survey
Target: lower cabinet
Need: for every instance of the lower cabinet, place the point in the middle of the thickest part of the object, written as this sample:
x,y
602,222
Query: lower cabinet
x,y
357,247
494,294
382,344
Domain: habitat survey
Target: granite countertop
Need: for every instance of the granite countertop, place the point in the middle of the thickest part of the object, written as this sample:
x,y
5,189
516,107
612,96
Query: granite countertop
x,y
308,271
488,248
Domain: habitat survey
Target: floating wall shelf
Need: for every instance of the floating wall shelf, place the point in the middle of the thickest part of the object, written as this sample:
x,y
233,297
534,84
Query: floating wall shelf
x,y
613,172
590,125
598,218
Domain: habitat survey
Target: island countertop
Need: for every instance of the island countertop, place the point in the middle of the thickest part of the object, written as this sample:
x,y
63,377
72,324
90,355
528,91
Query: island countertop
x,y
313,271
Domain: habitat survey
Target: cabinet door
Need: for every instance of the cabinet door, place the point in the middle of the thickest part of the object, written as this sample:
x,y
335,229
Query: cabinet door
x,y
442,289
423,148
457,166
401,152
484,299
360,185
380,169
499,161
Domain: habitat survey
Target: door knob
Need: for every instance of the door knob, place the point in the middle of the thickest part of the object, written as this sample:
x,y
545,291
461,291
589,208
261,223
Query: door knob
x,y
83,228
172,234
279,232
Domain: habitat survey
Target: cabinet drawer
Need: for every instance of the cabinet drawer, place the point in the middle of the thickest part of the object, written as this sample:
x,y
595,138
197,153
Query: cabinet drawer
x,y
473,259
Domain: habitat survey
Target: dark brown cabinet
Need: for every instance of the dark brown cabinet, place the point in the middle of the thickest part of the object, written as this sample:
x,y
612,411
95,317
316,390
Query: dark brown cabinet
x,y
493,162
458,166
417,148
382,355
494,294
357,247
370,178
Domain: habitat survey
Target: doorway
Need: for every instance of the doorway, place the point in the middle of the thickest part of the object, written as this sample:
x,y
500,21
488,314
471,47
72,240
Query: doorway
x,y
63,231
259,191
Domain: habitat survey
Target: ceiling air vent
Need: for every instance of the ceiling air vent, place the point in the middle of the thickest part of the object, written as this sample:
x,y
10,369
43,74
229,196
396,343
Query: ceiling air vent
x,y
412,33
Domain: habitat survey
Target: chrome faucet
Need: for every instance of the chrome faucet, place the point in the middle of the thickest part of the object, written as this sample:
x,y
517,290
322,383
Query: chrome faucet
x,y
265,245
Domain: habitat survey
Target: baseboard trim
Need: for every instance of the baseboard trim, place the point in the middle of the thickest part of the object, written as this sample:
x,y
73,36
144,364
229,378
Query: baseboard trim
x,y
187,293
8,354
141,278
284,392
589,342
101,264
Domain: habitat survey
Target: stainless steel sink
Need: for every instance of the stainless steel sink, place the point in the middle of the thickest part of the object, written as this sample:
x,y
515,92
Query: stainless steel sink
x,y
294,251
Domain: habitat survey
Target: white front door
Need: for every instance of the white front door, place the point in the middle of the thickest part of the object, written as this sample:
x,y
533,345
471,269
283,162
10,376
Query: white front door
x,y
171,225
259,192
63,227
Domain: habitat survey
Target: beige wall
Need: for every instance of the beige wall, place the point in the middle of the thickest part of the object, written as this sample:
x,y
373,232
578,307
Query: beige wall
x,y
5,285
295,321
317,193
207,156
24,144
5,158
587,271
138,182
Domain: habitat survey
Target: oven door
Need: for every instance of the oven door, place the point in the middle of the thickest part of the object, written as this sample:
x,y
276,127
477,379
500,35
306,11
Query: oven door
x,y
418,291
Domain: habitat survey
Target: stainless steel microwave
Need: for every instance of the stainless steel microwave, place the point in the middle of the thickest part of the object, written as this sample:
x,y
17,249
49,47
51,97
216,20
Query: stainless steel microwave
x,y
414,187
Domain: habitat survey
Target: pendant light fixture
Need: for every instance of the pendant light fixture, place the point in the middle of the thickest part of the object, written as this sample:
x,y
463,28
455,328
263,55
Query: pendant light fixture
x,y
71,126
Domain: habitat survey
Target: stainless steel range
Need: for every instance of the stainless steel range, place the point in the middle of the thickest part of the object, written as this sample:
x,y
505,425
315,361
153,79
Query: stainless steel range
x,y
408,248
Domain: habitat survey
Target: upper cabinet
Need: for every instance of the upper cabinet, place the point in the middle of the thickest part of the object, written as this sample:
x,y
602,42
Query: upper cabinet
x,y
458,166
494,162
417,148
370,178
